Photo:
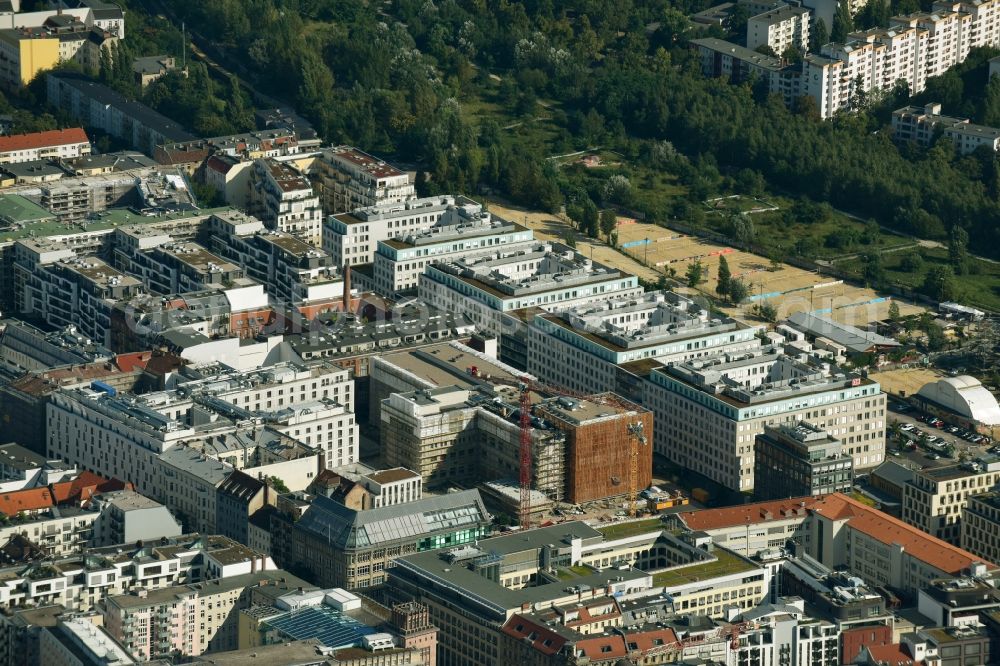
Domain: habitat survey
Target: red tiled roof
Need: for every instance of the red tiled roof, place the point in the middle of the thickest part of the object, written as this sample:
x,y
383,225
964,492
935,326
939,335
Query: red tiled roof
x,y
647,640
133,361
892,654
602,647
42,139
888,530
32,499
545,640
745,514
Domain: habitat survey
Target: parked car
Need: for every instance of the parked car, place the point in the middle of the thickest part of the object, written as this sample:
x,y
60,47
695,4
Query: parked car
x,y
932,456
908,427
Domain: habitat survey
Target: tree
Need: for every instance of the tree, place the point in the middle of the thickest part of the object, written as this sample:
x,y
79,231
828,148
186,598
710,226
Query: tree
x,y
958,242
775,258
743,231
590,225
695,273
738,291
873,271
939,283
819,35
724,279
570,239
935,337
608,221
912,263
765,49
766,311
792,55
843,24
894,312
278,484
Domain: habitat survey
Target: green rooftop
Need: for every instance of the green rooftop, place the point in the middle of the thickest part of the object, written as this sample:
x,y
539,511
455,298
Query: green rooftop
x,y
45,224
725,563
631,528
576,571
15,208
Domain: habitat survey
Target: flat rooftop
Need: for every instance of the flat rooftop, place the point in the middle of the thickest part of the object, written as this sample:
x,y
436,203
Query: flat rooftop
x,y
726,563
448,364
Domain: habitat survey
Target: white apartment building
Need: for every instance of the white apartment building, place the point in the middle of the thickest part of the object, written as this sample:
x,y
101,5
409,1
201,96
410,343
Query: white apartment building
x,y
935,498
912,48
347,178
121,436
352,238
167,266
921,125
82,581
51,283
283,199
779,29
54,144
463,231
291,270
709,412
607,345
550,276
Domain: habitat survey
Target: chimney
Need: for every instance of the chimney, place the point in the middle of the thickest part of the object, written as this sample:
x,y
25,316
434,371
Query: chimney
x,y
347,287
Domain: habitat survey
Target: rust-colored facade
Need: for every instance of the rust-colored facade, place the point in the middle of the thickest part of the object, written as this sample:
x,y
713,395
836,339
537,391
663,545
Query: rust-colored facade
x,y
598,447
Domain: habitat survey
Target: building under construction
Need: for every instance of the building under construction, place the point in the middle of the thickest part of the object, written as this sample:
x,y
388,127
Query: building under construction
x,y
601,436
467,428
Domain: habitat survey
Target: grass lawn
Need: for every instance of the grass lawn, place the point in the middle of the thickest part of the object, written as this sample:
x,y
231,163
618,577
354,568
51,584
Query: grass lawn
x,y
725,563
772,231
631,528
575,571
978,289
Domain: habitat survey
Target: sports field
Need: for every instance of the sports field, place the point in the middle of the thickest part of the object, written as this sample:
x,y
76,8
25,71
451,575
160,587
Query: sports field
x,y
788,288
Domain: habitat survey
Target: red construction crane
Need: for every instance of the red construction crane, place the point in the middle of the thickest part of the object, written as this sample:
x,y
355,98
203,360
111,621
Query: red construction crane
x,y
527,385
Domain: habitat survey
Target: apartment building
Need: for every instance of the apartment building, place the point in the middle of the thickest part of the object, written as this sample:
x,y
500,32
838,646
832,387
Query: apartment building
x,y
913,48
936,498
243,148
131,437
343,547
352,238
561,572
709,412
922,124
800,459
463,231
610,345
24,348
781,28
96,106
292,270
80,641
980,533
128,517
168,267
27,51
283,199
185,620
347,179
550,276
79,582
54,285
51,145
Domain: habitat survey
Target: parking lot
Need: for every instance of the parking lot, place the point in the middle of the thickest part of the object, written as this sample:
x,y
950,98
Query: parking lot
x,y
925,453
